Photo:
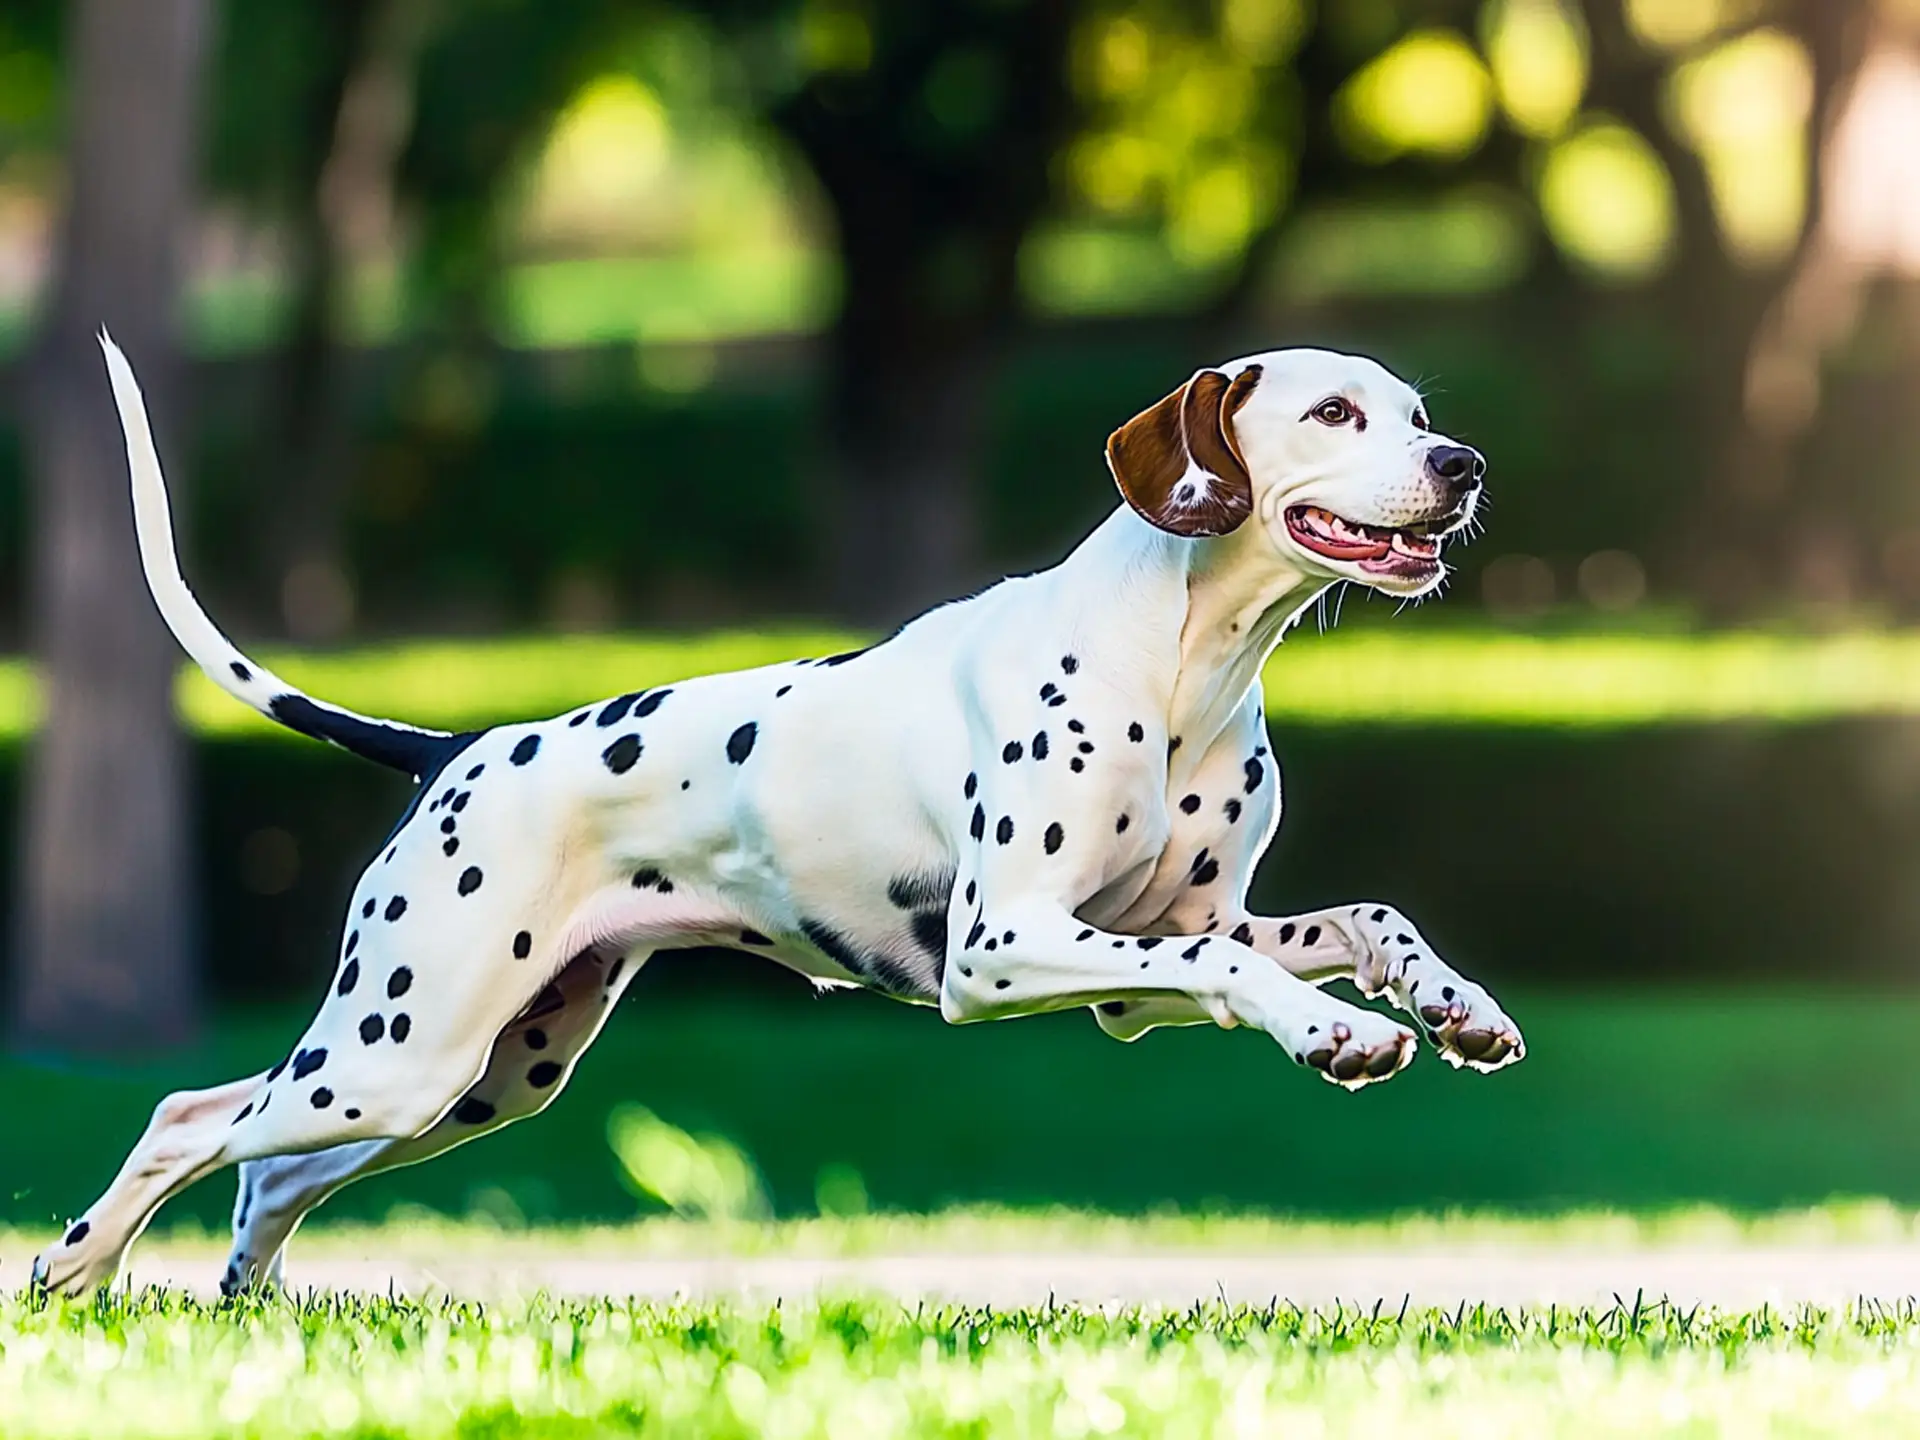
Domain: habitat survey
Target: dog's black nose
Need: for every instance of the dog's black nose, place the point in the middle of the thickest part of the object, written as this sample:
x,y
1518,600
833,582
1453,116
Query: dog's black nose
x,y
1459,467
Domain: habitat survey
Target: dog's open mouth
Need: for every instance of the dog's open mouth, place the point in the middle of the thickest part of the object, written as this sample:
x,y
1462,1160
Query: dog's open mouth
x,y
1412,550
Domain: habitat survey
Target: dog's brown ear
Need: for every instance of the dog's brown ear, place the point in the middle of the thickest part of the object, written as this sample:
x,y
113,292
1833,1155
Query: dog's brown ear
x,y
1178,463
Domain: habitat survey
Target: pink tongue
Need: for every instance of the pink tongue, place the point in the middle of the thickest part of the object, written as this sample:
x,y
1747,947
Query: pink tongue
x,y
1340,541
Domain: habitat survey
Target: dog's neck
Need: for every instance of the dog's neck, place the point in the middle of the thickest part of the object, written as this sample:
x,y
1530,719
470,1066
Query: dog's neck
x,y
1223,602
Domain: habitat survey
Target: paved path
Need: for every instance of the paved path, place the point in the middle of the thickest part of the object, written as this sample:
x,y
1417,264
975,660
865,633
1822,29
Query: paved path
x,y
1724,1277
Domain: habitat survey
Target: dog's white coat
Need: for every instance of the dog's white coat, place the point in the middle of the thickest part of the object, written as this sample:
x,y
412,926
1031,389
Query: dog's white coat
x,y
1050,795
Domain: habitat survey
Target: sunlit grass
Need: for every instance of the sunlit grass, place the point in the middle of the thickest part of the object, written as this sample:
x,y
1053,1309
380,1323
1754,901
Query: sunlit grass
x,y
162,1365
1409,677
415,1234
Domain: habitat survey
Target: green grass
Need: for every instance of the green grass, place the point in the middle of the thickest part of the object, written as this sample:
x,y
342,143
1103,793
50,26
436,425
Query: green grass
x,y
1414,676
1645,1102
167,1367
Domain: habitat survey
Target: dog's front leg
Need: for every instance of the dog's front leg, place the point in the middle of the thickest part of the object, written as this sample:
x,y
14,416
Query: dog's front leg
x,y
1042,958
1380,951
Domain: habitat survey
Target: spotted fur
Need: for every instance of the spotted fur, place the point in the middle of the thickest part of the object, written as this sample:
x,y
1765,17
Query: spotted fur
x,y
899,820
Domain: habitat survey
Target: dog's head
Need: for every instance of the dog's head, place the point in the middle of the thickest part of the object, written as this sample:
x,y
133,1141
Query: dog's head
x,y
1332,454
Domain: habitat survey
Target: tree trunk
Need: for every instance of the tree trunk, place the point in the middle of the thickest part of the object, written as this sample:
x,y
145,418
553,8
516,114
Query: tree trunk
x,y
105,959
353,136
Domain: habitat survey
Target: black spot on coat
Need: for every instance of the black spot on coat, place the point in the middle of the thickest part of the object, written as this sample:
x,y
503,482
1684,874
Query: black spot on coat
x,y
470,879
1054,838
543,1074
620,755
528,747
401,1027
396,907
616,710
399,982
371,1029
308,1061
522,945
472,1110
349,977
740,743
322,1098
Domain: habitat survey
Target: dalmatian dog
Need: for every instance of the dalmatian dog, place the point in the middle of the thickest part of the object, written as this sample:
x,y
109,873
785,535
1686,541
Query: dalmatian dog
x,y
1052,794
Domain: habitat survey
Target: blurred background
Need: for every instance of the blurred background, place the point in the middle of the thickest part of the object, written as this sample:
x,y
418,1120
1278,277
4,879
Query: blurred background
x,y
506,353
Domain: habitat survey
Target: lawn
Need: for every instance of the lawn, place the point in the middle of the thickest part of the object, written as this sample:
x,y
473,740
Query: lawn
x,y
1633,1118
846,1368
1641,1101
1406,675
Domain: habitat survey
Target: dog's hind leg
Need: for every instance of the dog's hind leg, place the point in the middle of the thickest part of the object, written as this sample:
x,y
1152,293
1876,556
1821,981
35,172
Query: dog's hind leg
x,y
381,1062
180,1144
531,1062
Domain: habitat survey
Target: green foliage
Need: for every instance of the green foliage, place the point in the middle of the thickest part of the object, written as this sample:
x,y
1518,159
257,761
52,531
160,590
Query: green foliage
x,y
162,1365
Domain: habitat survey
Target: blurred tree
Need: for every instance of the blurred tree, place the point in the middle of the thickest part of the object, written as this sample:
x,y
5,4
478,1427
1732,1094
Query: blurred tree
x,y
1740,536
353,127
105,957
931,130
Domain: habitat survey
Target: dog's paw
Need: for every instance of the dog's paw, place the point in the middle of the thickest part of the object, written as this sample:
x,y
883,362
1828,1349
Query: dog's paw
x,y
72,1269
1355,1048
1469,1030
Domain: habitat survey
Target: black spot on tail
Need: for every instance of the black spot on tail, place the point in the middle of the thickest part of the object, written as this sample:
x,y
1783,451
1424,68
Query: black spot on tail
x,y
473,1111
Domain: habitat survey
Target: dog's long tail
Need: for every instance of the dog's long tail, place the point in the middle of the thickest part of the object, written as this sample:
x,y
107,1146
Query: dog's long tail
x,y
403,747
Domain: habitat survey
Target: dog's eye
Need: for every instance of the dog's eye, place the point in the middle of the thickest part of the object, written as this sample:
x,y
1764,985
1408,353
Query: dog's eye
x,y
1333,411
1420,421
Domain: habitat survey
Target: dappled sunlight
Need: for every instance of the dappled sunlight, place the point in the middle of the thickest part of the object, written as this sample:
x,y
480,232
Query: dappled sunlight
x,y
1744,107
602,165
1537,53
1678,24
1608,202
1430,94
1444,676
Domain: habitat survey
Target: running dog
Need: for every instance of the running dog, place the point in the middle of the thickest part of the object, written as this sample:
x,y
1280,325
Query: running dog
x,y
1052,794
